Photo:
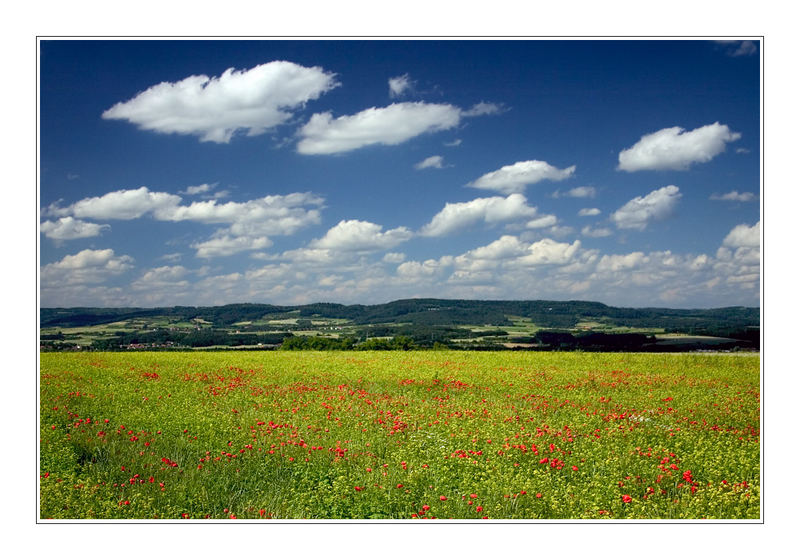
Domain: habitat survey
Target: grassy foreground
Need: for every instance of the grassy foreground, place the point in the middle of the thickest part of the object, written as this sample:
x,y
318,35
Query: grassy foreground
x,y
399,435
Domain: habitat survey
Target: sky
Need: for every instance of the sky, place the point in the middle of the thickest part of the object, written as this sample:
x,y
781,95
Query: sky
x,y
207,172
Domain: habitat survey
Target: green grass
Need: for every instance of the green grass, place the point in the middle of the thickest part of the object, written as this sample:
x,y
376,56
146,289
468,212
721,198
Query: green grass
x,y
384,434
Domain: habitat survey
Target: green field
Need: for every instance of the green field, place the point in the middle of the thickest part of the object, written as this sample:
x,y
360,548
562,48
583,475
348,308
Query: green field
x,y
399,435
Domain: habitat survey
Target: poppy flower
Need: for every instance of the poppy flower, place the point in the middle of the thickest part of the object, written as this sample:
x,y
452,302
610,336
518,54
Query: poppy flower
x,y
626,498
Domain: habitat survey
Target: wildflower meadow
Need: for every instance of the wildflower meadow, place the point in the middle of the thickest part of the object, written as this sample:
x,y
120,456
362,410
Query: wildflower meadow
x,y
399,435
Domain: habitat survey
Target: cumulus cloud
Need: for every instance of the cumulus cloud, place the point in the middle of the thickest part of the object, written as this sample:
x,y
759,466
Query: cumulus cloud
x,y
458,215
394,258
546,220
738,270
390,125
507,247
515,177
86,267
161,277
639,212
254,100
198,189
675,148
744,236
269,215
436,162
588,231
126,204
416,269
547,251
483,108
616,263
357,235
734,196
224,245
738,260
512,254
399,85
67,228
577,192
588,212
454,143
249,223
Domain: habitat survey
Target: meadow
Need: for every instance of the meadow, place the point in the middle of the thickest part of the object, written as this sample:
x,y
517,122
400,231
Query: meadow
x,y
399,435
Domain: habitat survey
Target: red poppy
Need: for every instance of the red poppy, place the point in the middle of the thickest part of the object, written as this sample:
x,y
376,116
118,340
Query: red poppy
x,y
626,498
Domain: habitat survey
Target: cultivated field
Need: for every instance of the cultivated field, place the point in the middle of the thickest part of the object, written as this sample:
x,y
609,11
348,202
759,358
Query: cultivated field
x,y
399,435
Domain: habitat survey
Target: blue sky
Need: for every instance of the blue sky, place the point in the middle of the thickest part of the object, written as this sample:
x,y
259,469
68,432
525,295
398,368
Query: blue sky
x,y
211,172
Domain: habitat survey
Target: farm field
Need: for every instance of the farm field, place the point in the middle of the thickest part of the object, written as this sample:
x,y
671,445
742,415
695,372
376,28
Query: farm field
x,y
399,435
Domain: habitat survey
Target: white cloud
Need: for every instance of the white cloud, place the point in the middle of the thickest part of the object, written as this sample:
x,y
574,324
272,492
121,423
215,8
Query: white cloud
x,y
254,101
309,256
735,196
738,260
161,277
390,125
507,247
513,255
249,223
546,220
67,228
454,143
86,267
269,215
436,162
616,263
198,189
394,258
357,235
400,85
674,148
548,251
484,108
744,236
221,289
595,232
577,192
639,212
740,48
496,209
588,212
165,285
118,205
416,269
514,178
224,245
561,231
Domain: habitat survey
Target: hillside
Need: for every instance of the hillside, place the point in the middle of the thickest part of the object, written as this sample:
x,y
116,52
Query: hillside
x,y
432,312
